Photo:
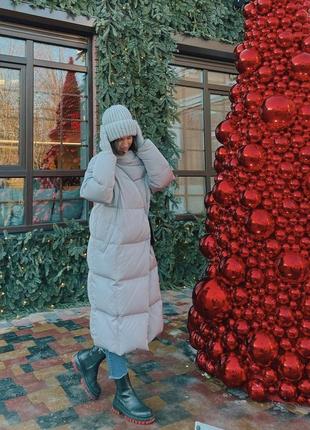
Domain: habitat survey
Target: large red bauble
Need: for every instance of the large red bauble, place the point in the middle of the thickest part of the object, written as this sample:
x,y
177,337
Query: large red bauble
x,y
301,66
224,192
252,157
233,269
224,130
264,348
207,245
292,267
260,223
233,372
278,112
291,366
249,60
251,198
212,300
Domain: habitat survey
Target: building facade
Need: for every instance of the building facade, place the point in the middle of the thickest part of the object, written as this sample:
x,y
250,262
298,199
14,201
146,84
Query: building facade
x,y
59,68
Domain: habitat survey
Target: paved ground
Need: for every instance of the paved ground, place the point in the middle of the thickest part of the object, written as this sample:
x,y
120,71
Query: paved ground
x,y
39,390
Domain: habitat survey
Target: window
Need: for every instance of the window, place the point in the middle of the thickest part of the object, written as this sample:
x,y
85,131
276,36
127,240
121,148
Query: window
x,y
202,97
45,123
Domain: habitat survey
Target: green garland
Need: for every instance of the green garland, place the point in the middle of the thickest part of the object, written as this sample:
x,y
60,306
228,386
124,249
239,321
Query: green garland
x,y
135,47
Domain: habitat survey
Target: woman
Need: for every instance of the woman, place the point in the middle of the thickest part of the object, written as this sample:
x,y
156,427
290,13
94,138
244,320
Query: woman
x,y
123,286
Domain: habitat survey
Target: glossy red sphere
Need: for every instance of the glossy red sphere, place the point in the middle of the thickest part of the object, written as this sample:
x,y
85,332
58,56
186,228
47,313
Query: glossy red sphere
x,y
260,223
292,267
301,66
278,112
252,157
249,60
212,300
264,348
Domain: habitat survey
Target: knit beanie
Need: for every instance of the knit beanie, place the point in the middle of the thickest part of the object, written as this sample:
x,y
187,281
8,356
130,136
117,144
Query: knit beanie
x,y
117,122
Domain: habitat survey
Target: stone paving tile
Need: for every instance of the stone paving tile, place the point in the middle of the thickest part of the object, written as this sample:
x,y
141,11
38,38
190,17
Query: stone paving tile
x,y
39,389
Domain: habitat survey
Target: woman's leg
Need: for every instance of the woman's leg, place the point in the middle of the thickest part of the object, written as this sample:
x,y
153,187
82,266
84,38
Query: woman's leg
x,y
117,365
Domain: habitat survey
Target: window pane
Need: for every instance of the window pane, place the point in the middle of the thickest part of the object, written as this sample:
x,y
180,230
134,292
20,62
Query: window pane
x,y
9,116
60,82
220,106
10,46
192,160
188,130
61,54
190,195
219,78
188,74
11,201
57,199
60,120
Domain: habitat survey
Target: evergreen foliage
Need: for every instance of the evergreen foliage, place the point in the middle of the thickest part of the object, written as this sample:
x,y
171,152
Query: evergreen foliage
x,y
135,47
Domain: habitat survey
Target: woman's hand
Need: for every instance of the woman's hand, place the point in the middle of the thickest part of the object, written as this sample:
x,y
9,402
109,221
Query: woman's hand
x,y
139,137
104,143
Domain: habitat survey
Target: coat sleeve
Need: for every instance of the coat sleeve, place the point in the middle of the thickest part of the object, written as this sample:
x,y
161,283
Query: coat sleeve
x,y
99,179
157,167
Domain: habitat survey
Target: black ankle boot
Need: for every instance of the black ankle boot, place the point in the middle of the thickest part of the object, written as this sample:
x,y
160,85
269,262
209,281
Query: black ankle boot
x,y
128,404
87,362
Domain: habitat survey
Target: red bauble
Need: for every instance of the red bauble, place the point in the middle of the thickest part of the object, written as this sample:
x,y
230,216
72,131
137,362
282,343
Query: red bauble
x,y
224,130
292,267
249,60
264,348
301,66
291,366
212,300
287,391
278,112
263,6
260,223
257,390
224,193
207,245
303,347
233,269
233,372
252,157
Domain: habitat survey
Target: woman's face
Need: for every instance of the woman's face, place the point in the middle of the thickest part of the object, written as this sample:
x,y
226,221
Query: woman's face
x,y
123,144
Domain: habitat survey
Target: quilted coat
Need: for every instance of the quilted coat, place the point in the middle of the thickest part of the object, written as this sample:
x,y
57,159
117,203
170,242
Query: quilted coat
x,y
123,285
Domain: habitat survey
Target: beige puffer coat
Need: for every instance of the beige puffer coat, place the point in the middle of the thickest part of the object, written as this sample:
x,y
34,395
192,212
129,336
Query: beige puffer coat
x,y
123,285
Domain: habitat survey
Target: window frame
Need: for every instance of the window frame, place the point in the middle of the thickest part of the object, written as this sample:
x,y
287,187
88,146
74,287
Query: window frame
x,y
205,64
26,169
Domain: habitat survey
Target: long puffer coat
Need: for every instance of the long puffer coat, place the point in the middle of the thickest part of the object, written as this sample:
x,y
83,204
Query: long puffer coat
x,y
123,285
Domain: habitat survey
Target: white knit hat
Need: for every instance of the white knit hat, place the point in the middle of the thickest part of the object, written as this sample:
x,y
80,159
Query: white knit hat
x,y
117,122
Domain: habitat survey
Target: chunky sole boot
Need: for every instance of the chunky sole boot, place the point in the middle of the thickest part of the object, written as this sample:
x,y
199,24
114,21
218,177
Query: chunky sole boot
x,y
126,403
86,363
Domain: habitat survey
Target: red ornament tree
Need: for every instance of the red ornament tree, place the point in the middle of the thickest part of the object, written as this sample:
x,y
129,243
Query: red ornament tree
x,y
68,127
250,319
